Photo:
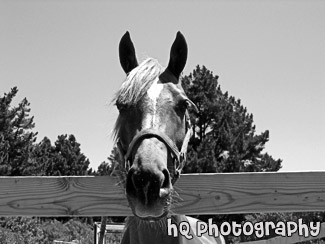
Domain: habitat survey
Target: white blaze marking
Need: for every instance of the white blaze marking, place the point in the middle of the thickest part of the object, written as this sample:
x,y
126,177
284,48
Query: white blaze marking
x,y
153,94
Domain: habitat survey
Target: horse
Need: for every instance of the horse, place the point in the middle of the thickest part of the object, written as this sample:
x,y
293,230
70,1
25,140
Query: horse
x,y
152,132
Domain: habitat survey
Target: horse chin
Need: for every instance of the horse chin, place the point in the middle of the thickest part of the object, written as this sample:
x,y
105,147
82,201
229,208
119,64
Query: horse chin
x,y
153,213
152,219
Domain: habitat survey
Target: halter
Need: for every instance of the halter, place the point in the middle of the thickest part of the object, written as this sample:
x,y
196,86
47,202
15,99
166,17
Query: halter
x,y
179,156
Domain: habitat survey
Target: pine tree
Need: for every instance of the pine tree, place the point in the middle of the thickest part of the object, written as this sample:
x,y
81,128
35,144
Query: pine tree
x,y
62,158
224,138
108,168
16,137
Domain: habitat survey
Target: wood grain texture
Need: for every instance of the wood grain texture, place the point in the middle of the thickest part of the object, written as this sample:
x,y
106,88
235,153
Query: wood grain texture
x,y
200,194
61,196
252,192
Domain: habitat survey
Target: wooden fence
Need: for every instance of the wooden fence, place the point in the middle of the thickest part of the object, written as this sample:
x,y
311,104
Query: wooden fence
x,y
201,194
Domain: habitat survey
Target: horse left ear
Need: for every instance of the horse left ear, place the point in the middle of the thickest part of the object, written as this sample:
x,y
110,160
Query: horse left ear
x,y
178,55
127,55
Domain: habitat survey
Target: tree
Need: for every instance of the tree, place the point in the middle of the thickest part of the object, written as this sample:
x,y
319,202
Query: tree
x,y
16,137
112,166
19,155
70,159
224,137
63,158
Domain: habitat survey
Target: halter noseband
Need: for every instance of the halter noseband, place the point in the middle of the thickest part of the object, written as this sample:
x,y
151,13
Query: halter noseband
x,y
178,155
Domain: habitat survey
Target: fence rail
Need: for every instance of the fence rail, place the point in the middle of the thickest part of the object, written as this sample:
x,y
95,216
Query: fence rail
x,y
201,194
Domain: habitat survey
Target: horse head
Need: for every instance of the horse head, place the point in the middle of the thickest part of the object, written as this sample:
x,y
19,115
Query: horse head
x,y
152,129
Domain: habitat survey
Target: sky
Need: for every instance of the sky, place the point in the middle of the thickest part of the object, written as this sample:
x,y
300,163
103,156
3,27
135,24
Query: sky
x,y
63,57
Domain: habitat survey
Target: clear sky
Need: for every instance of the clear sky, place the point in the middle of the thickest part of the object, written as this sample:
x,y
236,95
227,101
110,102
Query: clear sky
x,y
63,56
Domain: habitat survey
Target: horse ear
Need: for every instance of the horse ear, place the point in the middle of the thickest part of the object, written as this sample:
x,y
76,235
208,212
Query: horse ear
x,y
127,55
178,55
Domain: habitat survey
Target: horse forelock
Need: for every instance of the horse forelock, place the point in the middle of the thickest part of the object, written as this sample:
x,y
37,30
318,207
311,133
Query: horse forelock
x,y
135,86
138,82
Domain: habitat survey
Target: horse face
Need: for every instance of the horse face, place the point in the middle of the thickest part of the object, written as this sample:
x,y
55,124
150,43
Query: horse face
x,y
161,108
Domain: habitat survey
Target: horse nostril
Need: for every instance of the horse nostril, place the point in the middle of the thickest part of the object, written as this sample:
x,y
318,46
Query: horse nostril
x,y
139,179
166,182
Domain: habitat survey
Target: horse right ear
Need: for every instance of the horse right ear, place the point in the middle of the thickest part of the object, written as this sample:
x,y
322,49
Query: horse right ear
x,y
178,55
127,55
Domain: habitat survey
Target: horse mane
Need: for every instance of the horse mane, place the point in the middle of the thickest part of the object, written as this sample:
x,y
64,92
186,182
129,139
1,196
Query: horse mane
x,y
135,86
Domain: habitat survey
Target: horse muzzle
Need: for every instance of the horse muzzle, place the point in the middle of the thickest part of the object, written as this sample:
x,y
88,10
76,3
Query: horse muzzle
x,y
148,184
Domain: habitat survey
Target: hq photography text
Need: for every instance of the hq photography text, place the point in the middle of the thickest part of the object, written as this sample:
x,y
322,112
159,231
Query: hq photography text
x,y
260,229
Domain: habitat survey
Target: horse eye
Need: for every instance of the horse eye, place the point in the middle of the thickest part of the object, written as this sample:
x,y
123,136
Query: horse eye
x,y
121,107
183,104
